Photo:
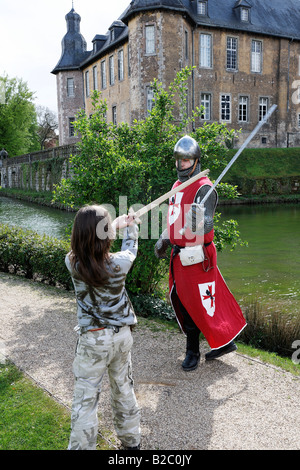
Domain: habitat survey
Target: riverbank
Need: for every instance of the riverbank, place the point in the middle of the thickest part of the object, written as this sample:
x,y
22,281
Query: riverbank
x,y
44,198
234,403
264,199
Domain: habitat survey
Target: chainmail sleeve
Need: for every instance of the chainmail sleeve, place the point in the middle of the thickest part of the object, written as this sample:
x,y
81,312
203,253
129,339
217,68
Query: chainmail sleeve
x,y
162,245
210,206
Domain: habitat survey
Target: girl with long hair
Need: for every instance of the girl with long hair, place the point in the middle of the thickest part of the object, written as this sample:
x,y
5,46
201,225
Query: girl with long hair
x,y
105,318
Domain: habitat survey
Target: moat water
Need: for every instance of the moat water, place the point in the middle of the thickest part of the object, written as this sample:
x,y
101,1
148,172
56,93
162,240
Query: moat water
x,y
267,270
41,219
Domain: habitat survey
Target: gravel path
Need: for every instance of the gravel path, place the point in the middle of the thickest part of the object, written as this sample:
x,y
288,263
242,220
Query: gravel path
x,y
231,403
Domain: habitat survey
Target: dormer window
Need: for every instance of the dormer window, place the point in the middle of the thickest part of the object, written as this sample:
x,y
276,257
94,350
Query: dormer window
x,y
115,30
242,8
202,7
245,14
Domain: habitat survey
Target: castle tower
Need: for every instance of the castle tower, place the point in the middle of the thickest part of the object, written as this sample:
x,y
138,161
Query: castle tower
x,y
69,78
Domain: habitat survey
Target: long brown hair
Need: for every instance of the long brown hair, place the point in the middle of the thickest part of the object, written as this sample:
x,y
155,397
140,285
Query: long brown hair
x,y
90,253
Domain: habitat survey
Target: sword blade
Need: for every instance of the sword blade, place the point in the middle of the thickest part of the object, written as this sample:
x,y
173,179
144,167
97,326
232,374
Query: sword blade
x,y
249,138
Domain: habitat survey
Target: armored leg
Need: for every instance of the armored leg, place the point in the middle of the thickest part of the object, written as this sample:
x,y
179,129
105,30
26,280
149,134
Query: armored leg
x,y
192,341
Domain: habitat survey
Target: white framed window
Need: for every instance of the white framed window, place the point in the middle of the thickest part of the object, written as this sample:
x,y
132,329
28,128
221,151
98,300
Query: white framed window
x,y
70,87
263,107
103,74
205,50
121,64
231,62
205,101
299,120
149,39
95,78
111,70
226,108
245,14
87,83
256,56
149,99
114,115
71,127
202,7
243,108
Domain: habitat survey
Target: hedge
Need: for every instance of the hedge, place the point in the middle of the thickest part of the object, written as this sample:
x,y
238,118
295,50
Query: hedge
x,y
33,255
42,258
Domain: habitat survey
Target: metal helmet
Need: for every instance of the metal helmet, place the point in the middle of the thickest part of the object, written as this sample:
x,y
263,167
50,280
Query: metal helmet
x,y
187,149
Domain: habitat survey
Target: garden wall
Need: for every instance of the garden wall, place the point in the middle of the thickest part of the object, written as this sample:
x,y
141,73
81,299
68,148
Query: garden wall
x,y
37,171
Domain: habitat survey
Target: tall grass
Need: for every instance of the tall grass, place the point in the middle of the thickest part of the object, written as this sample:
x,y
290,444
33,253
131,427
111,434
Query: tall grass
x,y
270,329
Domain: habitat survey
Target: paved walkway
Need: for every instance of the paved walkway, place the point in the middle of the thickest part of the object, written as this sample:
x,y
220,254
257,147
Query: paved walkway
x,y
231,403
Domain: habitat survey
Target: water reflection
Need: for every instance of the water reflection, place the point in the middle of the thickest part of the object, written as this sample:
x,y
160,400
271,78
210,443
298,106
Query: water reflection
x,y
268,270
41,219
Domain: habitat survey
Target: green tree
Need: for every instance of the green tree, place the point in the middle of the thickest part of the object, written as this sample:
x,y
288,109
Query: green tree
x,y
137,162
18,122
46,125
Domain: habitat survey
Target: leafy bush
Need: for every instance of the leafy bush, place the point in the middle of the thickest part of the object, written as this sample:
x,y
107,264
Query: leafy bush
x,y
33,255
137,162
148,305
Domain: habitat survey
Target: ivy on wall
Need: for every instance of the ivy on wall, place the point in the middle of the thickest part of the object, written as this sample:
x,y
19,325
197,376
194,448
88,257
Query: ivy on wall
x,y
42,175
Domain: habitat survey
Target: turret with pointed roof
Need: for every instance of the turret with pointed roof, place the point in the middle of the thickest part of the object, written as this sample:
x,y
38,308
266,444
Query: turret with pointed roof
x,y
73,45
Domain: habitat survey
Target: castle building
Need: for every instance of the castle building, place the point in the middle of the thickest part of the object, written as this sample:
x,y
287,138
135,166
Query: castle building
x,y
245,54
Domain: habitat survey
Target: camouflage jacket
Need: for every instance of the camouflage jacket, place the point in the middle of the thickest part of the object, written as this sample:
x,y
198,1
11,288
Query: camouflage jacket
x,y
108,304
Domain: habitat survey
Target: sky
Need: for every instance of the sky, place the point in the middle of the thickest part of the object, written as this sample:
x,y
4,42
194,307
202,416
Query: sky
x,y
31,33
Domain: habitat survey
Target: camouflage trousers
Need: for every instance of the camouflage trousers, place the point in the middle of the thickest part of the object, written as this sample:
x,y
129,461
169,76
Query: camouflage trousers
x,y
98,351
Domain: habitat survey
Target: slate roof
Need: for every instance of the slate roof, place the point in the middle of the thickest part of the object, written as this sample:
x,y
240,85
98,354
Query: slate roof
x,y
73,45
279,18
271,17
121,34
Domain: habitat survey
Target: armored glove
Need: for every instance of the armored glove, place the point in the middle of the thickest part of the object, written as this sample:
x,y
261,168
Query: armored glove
x,y
195,219
162,245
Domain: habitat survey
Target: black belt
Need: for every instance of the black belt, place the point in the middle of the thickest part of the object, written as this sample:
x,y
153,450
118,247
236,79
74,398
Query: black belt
x,y
177,248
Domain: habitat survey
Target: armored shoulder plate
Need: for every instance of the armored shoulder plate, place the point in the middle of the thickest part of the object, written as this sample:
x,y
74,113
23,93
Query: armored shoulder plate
x,y
210,206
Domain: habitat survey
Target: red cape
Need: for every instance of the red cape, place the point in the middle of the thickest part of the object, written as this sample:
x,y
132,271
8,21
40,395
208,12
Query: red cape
x,y
201,287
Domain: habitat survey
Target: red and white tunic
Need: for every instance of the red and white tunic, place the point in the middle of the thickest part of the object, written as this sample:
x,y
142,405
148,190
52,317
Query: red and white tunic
x,y
200,287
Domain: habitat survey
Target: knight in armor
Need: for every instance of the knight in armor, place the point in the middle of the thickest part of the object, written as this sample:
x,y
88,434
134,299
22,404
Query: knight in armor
x,y
199,295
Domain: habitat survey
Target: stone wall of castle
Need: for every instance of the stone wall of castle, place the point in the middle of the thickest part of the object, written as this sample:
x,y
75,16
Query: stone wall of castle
x,y
37,171
178,44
